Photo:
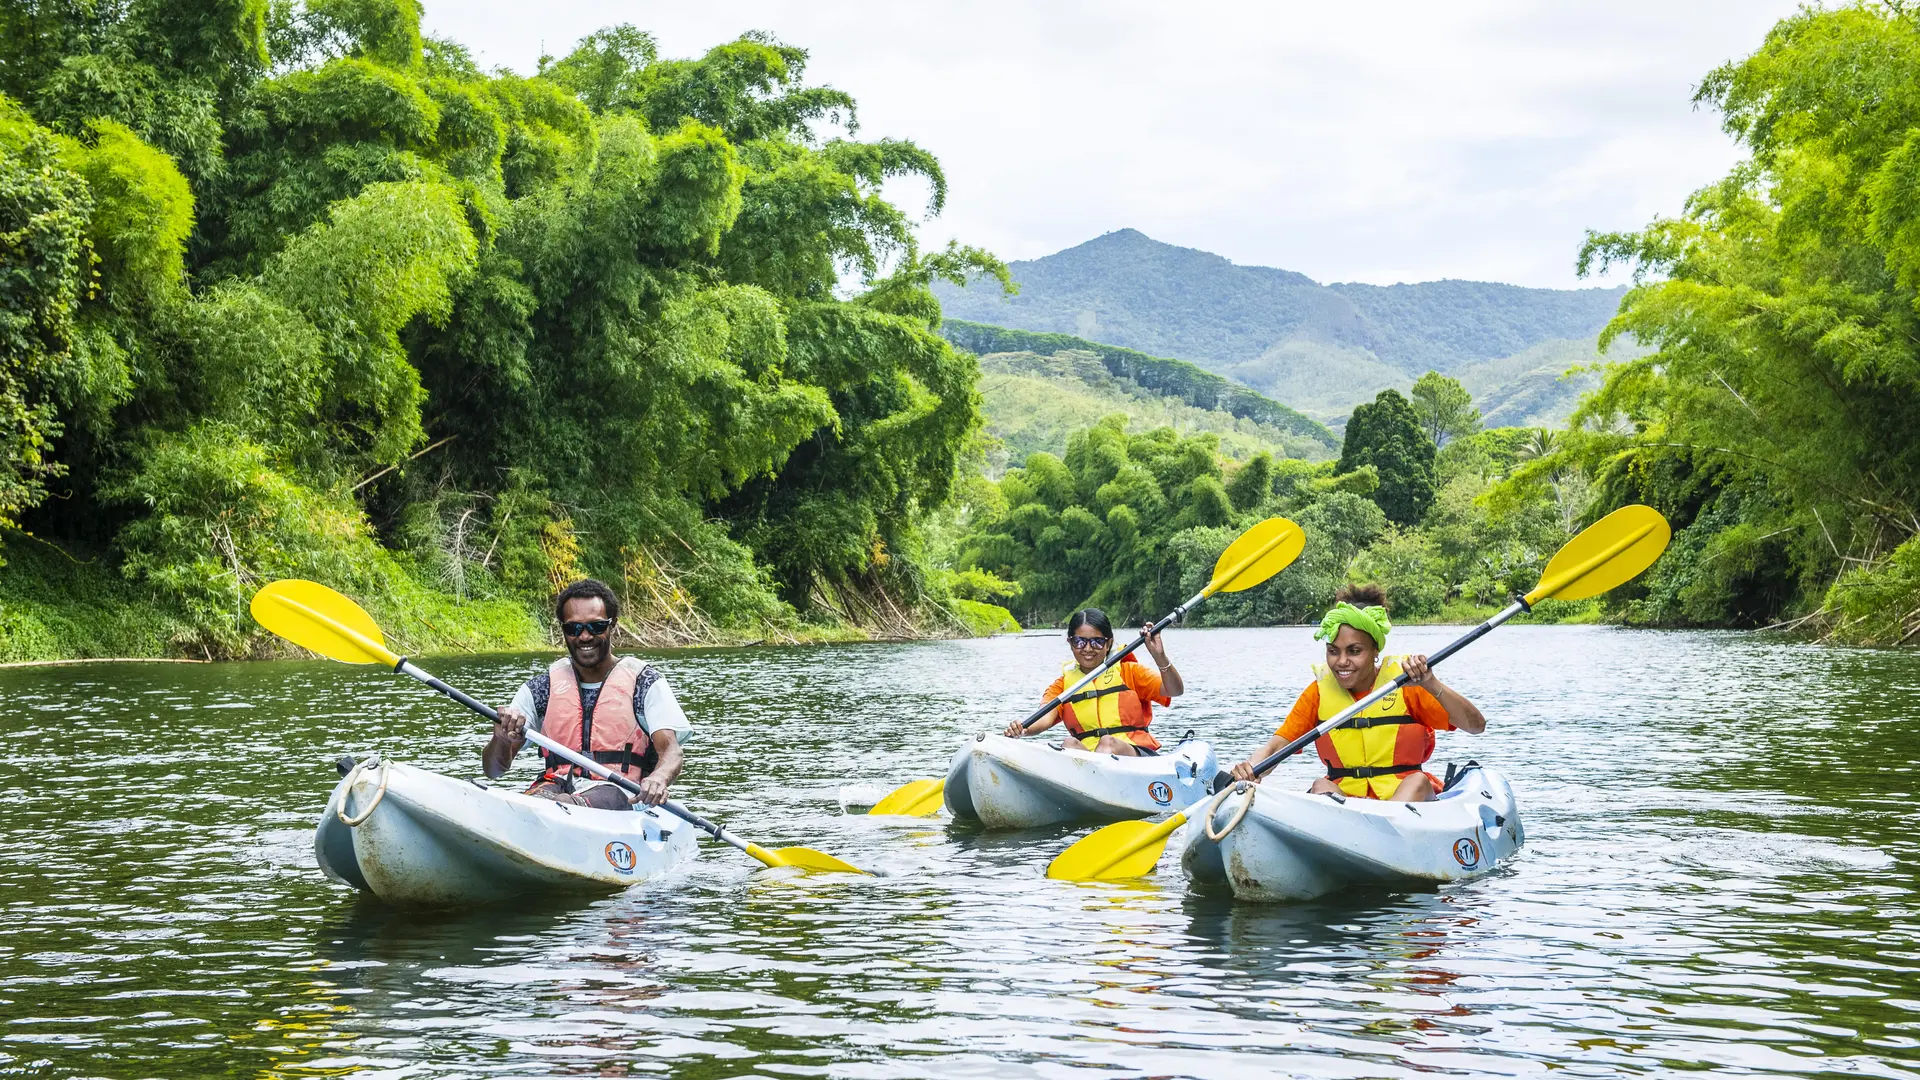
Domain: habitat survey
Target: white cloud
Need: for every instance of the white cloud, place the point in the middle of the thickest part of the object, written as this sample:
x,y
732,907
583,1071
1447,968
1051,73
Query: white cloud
x,y
1398,140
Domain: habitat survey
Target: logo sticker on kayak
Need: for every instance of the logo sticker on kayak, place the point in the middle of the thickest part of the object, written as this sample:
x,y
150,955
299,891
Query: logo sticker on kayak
x,y
1159,791
622,857
1466,852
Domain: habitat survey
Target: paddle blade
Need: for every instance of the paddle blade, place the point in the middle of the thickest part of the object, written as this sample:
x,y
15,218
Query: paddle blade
x,y
1261,552
1125,849
804,858
320,620
1608,553
808,859
921,798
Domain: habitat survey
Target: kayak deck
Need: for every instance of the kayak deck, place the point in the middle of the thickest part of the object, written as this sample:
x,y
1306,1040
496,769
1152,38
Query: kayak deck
x,y
1289,845
1026,783
419,839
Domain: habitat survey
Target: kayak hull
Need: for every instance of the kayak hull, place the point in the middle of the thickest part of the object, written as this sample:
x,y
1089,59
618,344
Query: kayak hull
x,y
432,841
1025,783
1292,846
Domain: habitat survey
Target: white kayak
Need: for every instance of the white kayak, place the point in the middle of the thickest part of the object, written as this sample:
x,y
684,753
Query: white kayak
x,y
419,839
1289,845
1023,783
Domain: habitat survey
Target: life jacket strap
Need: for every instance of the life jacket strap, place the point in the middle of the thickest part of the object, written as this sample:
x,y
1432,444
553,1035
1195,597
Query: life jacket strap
x,y
1097,732
1379,721
1368,772
604,757
1089,695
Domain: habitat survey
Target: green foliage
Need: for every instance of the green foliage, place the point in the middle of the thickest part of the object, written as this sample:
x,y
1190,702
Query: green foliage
x,y
45,269
985,620
1444,408
1773,419
603,71
750,89
1386,434
436,335
1105,526
1137,523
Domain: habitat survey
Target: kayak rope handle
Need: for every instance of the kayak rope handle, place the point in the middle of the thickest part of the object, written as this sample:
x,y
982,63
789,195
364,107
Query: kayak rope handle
x,y
347,793
1239,814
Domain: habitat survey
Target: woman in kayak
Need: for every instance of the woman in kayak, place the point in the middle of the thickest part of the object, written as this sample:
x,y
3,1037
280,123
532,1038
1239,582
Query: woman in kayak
x,y
1110,714
1379,753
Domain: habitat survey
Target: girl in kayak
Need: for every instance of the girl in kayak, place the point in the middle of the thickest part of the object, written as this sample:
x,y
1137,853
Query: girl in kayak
x,y
1379,753
1110,714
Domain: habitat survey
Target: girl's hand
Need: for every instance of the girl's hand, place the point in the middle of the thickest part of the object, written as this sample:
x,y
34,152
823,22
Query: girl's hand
x,y
1015,730
1155,647
1243,771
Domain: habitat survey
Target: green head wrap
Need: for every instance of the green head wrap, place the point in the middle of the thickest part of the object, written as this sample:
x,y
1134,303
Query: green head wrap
x,y
1369,621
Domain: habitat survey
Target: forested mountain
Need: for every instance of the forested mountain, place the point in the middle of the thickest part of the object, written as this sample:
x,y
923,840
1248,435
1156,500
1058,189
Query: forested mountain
x,y
1175,379
1319,348
1037,401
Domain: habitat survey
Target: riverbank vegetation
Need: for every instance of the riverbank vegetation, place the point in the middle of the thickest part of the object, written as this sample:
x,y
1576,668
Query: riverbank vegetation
x,y
1134,523
292,290
1774,421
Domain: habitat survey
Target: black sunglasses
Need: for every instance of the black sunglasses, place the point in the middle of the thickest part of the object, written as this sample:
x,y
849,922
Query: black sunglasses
x,y
596,627
1088,642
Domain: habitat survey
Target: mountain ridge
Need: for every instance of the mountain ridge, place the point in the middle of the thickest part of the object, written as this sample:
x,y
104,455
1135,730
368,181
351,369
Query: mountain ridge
x,y
1320,348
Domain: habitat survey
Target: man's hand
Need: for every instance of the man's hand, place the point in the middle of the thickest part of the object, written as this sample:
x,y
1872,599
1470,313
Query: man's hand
x,y
509,735
511,727
653,790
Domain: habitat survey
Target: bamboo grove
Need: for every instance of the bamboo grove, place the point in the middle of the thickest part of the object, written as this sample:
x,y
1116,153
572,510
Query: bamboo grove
x,y
292,290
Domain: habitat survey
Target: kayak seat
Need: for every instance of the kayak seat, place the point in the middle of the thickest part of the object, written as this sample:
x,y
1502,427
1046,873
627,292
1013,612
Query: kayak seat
x,y
1455,774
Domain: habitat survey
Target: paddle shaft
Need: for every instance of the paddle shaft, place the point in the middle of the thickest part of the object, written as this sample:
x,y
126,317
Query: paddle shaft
x,y
1398,681
406,667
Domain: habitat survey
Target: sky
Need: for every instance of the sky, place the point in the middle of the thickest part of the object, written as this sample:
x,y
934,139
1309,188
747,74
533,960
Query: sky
x,y
1379,142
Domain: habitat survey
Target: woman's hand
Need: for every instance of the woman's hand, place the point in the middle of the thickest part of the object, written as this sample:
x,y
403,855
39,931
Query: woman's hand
x,y
1244,771
1015,730
1155,647
1418,670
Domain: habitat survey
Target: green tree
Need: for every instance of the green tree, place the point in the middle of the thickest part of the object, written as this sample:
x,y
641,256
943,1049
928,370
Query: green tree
x,y
1780,400
263,260
1385,434
1444,408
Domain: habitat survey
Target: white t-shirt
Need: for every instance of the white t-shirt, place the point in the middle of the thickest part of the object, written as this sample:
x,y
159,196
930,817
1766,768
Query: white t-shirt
x,y
657,710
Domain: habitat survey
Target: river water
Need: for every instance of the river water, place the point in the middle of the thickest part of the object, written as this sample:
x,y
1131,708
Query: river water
x,y
1720,874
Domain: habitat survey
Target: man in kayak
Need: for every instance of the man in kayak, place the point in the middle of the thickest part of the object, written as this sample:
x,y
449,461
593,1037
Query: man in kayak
x,y
1379,753
617,710
1109,715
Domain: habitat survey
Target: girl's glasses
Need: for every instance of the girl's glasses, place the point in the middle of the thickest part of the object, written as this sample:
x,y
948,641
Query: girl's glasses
x,y
1088,642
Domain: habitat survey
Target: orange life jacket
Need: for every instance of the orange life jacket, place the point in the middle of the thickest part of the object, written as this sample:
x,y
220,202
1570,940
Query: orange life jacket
x,y
610,735
1370,754
1112,708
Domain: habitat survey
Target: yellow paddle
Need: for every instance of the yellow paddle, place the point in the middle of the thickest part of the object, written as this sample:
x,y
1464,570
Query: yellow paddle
x,y
1610,552
1256,555
320,620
